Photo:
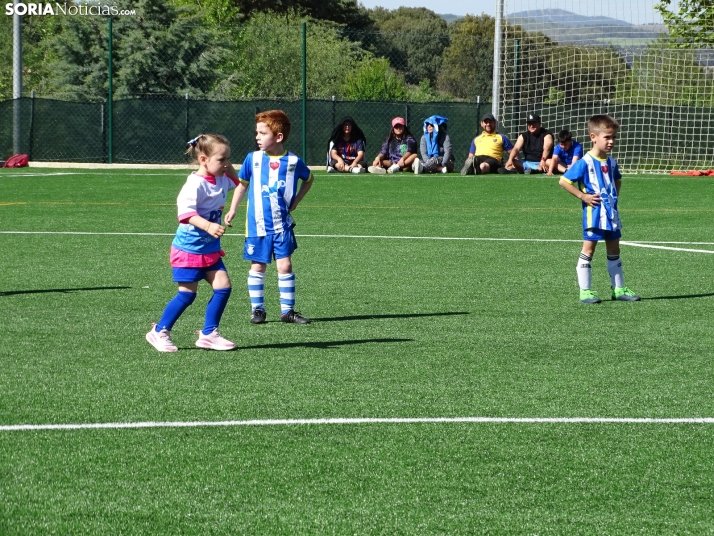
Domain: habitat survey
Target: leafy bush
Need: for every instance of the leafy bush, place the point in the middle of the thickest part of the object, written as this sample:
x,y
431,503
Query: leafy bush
x,y
374,80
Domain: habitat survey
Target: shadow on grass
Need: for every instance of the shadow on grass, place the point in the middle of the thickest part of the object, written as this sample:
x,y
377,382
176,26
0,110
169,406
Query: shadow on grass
x,y
683,297
321,345
61,290
376,317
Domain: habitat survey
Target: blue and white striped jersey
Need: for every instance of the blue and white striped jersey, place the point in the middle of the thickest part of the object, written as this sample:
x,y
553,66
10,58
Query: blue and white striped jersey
x,y
594,176
272,184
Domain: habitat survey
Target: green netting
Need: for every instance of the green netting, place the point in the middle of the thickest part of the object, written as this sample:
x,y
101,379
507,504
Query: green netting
x,y
155,130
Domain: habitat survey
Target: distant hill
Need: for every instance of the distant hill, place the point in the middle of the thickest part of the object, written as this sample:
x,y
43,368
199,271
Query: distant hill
x,y
559,25
562,17
449,18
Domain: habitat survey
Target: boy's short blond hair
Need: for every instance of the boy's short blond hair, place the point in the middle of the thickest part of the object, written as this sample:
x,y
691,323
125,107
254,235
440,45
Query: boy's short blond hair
x,y
600,123
277,121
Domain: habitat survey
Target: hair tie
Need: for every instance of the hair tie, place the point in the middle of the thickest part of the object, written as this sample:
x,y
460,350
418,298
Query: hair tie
x,y
194,141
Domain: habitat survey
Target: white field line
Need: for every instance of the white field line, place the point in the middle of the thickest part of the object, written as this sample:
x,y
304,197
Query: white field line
x,y
645,245
20,175
86,233
360,420
392,237
648,244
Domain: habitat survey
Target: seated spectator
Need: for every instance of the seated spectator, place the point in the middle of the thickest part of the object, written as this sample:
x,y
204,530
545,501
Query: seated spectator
x,y
537,145
486,152
346,148
566,153
435,147
398,152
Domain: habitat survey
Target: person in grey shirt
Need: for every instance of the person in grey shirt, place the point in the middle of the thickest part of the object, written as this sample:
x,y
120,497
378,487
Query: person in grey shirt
x,y
435,148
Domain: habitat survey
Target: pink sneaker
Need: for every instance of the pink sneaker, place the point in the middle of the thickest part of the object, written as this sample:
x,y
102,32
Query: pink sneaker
x,y
214,341
161,340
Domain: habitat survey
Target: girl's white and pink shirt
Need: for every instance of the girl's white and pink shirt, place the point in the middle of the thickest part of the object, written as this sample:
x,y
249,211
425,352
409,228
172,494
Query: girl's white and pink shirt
x,y
203,196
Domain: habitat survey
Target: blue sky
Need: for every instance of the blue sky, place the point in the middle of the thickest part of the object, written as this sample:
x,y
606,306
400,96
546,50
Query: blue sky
x,y
639,11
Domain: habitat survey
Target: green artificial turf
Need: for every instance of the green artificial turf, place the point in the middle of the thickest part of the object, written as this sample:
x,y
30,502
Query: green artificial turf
x,y
449,324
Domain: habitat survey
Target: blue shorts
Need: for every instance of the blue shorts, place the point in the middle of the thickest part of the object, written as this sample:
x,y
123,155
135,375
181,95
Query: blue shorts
x,y
595,235
191,275
527,164
264,249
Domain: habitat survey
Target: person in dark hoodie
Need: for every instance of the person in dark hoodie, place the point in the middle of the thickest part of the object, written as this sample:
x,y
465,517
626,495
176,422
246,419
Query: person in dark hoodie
x,y
435,147
346,148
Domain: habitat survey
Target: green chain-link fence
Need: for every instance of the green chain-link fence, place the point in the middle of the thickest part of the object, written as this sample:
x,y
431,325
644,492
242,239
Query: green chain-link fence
x,y
155,130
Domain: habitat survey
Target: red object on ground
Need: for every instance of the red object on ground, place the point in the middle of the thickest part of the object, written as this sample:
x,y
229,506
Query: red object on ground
x,y
694,173
18,160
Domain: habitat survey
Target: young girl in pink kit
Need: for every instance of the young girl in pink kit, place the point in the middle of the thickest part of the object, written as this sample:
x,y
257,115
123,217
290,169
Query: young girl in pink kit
x,y
196,249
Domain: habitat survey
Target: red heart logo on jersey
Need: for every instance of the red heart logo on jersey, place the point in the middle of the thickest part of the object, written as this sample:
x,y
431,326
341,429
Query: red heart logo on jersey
x,y
274,165
604,169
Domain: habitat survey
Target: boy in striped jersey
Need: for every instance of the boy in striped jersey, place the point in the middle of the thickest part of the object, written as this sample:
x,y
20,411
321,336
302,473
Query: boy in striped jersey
x,y
271,176
595,180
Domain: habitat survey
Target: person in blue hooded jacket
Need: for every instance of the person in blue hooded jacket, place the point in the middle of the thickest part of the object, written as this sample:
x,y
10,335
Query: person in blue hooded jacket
x,y
435,147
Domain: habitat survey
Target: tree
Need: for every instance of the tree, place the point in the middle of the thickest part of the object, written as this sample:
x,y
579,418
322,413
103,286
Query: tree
x,y
36,34
538,70
582,74
663,76
375,81
267,59
213,12
526,67
413,39
80,68
467,68
692,25
339,11
164,50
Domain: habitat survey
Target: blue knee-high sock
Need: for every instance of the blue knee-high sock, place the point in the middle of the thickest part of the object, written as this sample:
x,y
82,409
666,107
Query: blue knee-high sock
x,y
286,285
214,309
175,309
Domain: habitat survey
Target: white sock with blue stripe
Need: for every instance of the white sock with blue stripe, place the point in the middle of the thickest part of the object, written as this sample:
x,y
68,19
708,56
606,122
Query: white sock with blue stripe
x,y
286,285
256,290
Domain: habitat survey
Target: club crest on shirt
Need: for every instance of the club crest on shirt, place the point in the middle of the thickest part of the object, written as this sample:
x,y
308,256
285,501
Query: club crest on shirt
x,y
274,165
604,168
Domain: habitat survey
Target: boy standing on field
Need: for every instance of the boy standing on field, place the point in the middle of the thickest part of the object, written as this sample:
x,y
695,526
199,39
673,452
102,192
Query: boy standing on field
x,y
271,177
595,180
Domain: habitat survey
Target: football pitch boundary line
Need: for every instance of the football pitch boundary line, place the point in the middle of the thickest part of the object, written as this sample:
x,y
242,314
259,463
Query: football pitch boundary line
x,y
648,244
357,420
